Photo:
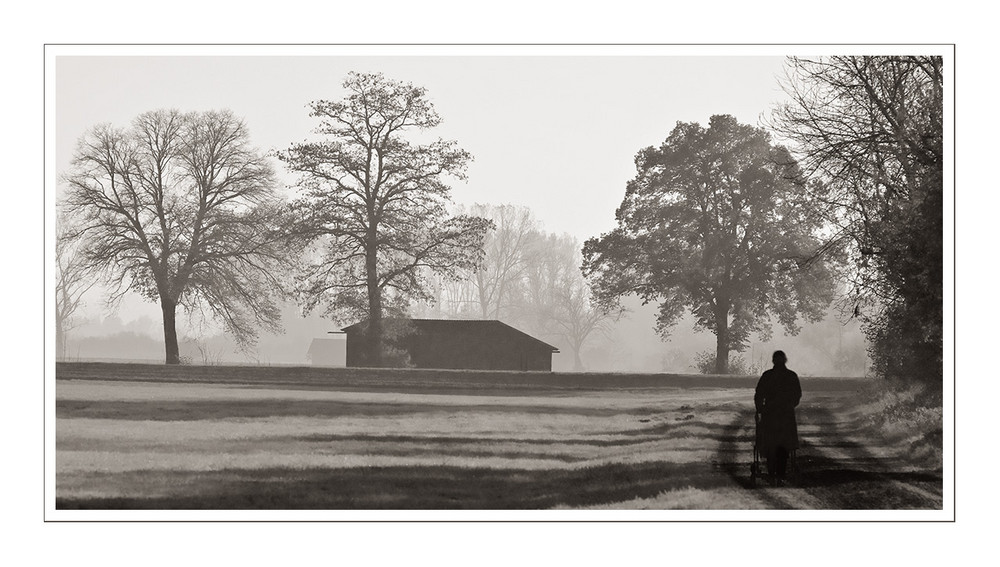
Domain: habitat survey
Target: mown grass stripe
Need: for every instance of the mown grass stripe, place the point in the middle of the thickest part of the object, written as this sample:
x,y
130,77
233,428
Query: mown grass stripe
x,y
435,487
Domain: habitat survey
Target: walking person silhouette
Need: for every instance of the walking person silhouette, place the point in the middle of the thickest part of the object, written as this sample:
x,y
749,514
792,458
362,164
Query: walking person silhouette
x,y
778,392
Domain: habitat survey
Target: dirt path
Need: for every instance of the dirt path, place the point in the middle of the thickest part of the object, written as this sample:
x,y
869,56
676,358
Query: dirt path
x,y
841,468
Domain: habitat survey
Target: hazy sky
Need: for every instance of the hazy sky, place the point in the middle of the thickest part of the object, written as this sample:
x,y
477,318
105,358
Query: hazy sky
x,y
555,133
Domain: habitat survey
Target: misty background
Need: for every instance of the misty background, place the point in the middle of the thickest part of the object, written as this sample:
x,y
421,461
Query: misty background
x,y
553,138
829,348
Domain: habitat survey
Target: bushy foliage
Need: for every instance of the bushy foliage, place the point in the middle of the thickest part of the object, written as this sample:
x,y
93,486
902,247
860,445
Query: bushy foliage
x,y
907,414
705,364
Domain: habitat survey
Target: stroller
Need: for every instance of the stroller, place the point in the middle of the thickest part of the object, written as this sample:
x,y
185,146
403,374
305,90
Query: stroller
x,y
757,468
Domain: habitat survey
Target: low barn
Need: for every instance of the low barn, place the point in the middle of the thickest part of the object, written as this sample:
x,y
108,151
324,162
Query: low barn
x,y
452,344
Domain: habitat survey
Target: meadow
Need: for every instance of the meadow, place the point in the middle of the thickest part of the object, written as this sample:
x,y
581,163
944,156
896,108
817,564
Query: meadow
x,y
213,437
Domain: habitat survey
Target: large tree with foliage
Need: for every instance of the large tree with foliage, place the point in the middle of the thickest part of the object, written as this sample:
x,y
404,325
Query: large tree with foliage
x,y
716,221
373,204
180,208
871,129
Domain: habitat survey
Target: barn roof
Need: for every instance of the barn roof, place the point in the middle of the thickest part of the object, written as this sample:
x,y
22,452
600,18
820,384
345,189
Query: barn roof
x,y
482,327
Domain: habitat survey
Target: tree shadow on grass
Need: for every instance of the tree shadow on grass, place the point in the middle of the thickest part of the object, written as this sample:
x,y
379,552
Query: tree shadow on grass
x,y
437,487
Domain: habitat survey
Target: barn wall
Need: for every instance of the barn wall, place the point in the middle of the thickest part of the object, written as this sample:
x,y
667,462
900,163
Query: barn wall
x,y
461,350
357,346
477,352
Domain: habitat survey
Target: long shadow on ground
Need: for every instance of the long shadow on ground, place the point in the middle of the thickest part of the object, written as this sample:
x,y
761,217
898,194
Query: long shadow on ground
x,y
425,488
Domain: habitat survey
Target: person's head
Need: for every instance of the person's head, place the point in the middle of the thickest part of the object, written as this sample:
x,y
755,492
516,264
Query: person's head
x,y
779,358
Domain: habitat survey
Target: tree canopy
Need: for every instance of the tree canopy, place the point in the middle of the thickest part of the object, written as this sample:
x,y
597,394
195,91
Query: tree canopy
x,y
180,208
373,204
716,221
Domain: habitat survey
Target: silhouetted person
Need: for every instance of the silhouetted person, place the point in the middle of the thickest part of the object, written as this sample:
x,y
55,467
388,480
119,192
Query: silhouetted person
x,y
777,394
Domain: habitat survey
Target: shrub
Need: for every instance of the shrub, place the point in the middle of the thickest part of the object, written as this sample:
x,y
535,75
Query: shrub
x,y
908,414
705,364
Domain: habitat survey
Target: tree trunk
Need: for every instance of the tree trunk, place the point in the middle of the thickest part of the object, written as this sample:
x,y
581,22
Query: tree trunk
x,y
60,339
484,304
577,361
722,342
375,330
169,309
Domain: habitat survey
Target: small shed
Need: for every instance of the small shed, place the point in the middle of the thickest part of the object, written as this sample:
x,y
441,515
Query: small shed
x,y
451,344
328,352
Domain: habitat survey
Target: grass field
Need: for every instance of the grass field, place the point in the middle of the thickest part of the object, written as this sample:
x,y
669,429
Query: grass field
x,y
147,436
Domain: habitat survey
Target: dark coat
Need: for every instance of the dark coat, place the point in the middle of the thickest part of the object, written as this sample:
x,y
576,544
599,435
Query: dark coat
x,y
777,394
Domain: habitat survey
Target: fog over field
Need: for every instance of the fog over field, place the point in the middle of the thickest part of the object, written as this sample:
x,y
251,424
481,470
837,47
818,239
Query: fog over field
x,y
632,345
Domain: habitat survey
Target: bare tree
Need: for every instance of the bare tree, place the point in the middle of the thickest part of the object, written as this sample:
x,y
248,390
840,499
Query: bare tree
x,y
72,282
181,209
556,300
492,287
870,130
546,268
374,204
577,317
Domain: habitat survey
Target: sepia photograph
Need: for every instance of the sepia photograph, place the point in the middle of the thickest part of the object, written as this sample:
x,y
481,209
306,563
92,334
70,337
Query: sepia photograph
x,y
499,282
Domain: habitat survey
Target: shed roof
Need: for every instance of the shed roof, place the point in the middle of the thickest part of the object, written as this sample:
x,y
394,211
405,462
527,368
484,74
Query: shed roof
x,y
462,326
